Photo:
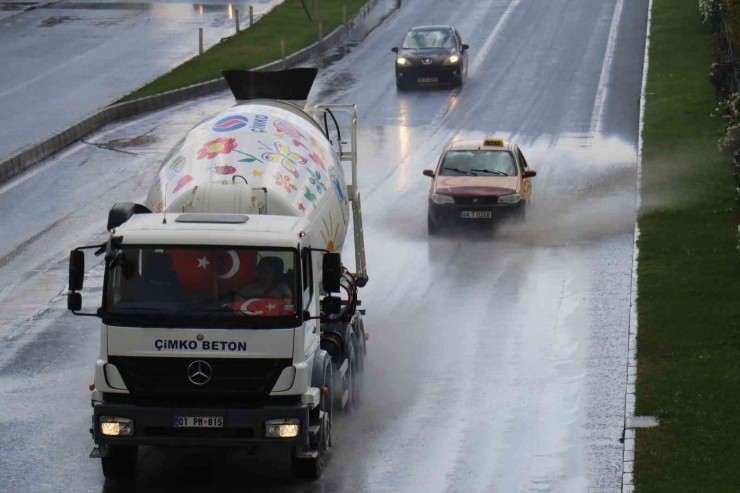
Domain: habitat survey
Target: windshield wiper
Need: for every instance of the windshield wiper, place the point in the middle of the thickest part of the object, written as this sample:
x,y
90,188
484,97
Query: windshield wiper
x,y
461,171
204,303
501,173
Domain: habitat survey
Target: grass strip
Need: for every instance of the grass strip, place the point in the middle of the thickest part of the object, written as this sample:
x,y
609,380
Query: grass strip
x,y
255,46
688,347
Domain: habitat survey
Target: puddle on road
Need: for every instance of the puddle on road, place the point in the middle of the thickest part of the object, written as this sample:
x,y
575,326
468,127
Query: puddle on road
x,y
55,21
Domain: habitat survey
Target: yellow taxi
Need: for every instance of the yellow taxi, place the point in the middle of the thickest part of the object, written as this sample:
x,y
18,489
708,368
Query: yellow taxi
x,y
478,181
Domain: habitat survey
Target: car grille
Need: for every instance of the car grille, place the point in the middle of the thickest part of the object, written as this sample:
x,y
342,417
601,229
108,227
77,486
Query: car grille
x,y
476,200
169,376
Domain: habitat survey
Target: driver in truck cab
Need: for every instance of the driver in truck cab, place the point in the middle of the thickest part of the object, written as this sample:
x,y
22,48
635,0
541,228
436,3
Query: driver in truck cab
x,y
267,282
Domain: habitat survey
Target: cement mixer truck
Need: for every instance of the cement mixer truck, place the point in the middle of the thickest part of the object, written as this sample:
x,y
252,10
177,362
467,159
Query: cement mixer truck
x,y
228,317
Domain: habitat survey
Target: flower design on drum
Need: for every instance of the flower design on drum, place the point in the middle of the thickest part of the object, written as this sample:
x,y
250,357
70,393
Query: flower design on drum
x,y
310,196
289,159
213,148
282,180
315,180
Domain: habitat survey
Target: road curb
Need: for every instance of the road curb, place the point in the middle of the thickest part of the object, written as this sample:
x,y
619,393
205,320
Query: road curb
x,y
34,153
631,422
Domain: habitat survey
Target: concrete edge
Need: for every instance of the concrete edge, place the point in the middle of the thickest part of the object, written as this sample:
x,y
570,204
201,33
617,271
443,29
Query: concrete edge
x,y
628,454
37,152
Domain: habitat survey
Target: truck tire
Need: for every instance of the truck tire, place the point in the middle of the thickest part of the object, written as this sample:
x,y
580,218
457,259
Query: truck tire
x,y
120,463
351,376
312,468
359,376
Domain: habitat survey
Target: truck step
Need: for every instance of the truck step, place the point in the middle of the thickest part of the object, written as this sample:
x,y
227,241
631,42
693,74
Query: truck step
x,y
98,452
313,431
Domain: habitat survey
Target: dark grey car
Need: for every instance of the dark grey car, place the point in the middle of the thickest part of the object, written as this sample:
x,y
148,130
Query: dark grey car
x,y
431,55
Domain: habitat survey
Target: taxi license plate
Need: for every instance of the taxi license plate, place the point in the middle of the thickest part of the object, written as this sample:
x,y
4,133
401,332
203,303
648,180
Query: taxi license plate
x,y
476,215
198,422
426,80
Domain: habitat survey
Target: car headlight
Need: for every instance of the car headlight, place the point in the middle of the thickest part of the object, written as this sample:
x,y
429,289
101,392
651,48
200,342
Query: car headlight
x,y
402,61
442,199
282,428
512,198
452,60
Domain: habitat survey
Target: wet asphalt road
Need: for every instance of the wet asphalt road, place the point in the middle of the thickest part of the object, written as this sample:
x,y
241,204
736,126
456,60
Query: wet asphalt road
x,y
64,60
497,360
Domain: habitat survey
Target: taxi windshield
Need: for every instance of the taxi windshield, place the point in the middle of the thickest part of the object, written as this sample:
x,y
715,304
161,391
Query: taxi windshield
x,y
478,163
426,39
191,283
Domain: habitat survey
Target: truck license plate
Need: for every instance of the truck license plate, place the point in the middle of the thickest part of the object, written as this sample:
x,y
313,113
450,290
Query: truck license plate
x,y
198,422
426,80
476,214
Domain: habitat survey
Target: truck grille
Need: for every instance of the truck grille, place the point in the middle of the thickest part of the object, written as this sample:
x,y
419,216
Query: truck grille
x,y
169,376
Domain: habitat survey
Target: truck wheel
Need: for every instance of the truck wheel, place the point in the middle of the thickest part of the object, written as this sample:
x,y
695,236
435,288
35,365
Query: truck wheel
x,y
351,376
359,377
120,463
312,468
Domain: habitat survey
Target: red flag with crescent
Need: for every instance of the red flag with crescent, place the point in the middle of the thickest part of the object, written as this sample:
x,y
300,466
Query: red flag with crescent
x,y
263,307
198,270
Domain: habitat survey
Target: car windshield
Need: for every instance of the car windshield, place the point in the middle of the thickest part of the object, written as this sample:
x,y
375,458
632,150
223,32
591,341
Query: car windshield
x,y
245,284
478,163
426,39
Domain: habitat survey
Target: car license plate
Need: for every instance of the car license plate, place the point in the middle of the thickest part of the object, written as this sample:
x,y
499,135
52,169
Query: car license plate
x,y
476,214
426,80
198,422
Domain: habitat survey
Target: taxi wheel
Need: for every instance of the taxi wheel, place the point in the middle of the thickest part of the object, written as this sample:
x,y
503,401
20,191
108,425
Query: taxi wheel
x,y
521,214
432,227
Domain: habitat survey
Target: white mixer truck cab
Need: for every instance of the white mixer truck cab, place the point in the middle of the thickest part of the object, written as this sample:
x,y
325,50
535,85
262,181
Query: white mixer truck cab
x,y
219,327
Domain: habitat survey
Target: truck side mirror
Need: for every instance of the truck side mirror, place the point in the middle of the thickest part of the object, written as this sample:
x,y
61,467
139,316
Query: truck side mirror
x,y
76,269
331,272
529,174
331,305
428,172
74,302
394,49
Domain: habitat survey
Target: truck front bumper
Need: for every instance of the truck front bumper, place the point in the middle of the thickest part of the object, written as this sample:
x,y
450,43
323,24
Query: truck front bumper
x,y
242,427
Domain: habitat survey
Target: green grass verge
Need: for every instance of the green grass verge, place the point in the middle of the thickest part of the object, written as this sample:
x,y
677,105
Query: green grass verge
x,y
255,46
688,272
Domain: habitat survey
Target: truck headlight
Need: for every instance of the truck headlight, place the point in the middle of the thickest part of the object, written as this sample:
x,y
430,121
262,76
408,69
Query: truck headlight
x,y
114,426
512,198
442,199
282,428
402,61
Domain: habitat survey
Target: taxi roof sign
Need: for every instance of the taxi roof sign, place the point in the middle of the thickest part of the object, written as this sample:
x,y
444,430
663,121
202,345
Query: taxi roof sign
x,y
493,142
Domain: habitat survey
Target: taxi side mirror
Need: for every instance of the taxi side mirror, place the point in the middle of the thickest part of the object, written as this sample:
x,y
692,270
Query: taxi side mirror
x,y
394,49
529,174
429,173
465,47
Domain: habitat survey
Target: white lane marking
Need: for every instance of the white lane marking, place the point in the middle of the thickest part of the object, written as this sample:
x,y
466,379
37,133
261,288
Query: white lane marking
x,y
483,52
629,403
602,90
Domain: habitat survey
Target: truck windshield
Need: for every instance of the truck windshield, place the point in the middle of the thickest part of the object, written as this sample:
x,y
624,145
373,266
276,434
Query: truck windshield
x,y
247,286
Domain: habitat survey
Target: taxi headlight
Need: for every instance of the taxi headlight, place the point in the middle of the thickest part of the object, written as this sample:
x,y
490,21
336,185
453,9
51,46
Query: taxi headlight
x,y
442,199
114,426
282,428
512,198
452,60
402,61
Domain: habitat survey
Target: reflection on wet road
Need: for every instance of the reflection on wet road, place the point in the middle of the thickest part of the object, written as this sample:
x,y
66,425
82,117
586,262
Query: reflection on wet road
x,y
497,358
65,60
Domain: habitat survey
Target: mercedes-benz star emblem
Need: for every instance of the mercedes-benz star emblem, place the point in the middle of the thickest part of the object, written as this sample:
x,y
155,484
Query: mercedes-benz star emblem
x,y
200,372
426,61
